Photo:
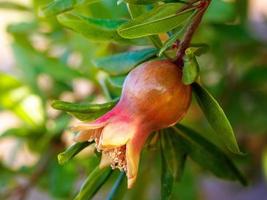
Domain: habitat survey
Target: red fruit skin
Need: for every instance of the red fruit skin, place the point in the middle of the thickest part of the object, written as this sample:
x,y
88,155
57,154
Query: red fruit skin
x,y
153,97
153,94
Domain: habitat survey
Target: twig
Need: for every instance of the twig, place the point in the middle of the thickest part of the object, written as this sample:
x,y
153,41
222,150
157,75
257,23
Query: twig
x,y
20,192
185,42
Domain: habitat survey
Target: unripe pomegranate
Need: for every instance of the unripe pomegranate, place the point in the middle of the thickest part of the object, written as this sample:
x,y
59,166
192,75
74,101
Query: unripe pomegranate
x,y
153,97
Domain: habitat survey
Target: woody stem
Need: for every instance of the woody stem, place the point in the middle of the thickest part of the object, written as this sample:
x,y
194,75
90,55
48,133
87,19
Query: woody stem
x,y
191,29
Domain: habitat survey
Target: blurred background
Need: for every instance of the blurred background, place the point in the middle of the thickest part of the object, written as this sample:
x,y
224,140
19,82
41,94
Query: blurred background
x,y
41,61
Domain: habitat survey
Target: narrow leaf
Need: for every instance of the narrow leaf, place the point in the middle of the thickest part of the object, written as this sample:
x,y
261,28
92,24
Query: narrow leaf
x,y
206,154
102,80
161,19
199,48
155,39
81,107
93,183
216,117
172,161
142,2
22,27
119,188
137,10
177,32
84,111
21,132
226,8
167,180
92,28
20,100
174,155
122,63
116,81
33,62
13,6
72,151
190,69
145,2
58,6
8,83
114,85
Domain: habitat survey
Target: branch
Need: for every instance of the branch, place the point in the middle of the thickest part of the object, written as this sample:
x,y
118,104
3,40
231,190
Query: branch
x,y
20,192
185,42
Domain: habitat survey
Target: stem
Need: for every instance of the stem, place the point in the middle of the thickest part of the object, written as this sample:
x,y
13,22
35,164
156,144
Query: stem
x,y
20,192
185,42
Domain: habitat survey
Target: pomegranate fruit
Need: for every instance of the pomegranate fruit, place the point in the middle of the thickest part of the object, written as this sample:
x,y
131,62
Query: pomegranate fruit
x,y
153,97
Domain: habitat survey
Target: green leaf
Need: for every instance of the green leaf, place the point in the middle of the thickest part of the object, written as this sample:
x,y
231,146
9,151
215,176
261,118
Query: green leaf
x,y
8,83
141,2
60,179
198,48
114,85
83,111
72,151
82,107
176,33
119,188
22,27
93,183
137,10
188,187
58,6
122,63
33,63
93,28
167,181
226,9
21,132
191,68
255,77
173,159
174,156
24,60
155,39
216,117
25,105
116,81
144,2
6,177
13,6
102,80
61,123
206,154
161,19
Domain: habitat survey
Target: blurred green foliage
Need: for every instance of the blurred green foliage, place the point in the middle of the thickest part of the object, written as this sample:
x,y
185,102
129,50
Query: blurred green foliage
x,y
99,50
